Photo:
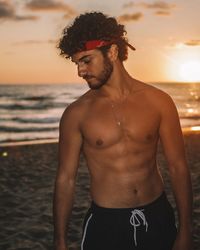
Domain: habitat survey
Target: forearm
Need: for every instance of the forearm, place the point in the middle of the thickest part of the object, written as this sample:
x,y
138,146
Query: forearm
x,y
62,207
182,187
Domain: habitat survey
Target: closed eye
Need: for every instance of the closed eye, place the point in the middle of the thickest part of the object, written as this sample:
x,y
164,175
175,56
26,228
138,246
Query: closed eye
x,y
86,60
83,60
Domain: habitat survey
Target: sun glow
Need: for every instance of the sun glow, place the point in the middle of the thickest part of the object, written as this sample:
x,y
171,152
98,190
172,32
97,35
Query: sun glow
x,y
190,71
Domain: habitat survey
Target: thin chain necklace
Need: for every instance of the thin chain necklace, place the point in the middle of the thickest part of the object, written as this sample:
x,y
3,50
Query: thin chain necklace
x,y
119,120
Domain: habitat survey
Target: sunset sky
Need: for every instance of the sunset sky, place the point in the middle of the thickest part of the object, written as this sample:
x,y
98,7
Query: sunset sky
x,y
166,35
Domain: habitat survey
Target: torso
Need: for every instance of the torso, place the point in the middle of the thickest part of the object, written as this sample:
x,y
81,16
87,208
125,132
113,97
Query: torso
x,y
122,159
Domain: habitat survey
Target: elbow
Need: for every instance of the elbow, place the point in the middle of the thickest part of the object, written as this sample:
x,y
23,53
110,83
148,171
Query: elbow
x,y
65,181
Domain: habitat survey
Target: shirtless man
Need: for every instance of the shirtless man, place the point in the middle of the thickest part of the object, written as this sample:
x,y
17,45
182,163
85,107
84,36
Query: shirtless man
x,y
117,125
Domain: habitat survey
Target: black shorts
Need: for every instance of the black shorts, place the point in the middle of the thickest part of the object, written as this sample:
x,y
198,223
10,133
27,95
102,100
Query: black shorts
x,y
150,227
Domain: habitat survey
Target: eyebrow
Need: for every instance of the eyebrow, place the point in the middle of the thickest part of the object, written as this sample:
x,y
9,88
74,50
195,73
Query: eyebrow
x,y
81,59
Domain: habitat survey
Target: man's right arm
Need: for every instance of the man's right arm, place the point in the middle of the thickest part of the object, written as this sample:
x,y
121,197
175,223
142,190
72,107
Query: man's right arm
x,y
70,141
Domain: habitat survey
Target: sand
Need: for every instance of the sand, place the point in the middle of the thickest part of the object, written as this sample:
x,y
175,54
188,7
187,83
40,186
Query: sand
x,y
26,184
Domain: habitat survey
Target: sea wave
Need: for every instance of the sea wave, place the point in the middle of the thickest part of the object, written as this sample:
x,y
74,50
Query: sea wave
x,y
37,121
33,112
27,129
37,106
192,117
36,98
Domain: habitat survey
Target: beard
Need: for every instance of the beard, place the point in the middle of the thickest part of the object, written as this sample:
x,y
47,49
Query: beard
x,y
102,78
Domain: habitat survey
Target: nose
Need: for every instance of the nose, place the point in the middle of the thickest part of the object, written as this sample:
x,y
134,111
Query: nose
x,y
81,70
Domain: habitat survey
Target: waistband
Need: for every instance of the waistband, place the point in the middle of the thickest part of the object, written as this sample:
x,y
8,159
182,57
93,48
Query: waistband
x,y
157,202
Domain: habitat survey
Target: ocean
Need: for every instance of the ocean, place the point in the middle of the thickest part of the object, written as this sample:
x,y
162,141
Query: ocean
x,y
32,112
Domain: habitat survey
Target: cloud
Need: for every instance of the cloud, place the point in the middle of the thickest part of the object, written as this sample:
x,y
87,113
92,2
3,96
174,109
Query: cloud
x,y
25,18
70,15
162,13
158,5
32,42
182,45
7,12
161,5
129,5
162,8
8,53
130,17
193,43
49,5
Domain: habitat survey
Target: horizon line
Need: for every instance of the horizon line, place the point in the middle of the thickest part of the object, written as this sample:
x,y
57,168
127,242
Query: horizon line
x,y
51,83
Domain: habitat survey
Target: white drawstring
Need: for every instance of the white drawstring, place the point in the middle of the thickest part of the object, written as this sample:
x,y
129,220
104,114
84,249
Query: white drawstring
x,y
85,230
135,222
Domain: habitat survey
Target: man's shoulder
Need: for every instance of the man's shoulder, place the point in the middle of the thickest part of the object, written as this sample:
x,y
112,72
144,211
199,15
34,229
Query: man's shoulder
x,y
77,108
161,100
156,93
157,97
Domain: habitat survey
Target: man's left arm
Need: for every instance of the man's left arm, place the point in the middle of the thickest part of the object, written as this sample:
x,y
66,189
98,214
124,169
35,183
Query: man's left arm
x,y
173,145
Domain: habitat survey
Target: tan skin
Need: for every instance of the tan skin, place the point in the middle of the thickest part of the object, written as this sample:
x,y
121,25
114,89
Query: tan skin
x,y
121,159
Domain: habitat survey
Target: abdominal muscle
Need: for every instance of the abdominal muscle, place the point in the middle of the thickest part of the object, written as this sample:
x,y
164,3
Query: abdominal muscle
x,y
127,180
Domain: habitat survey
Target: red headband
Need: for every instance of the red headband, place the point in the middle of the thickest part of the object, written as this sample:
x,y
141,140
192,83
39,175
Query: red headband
x,y
93,44
89,45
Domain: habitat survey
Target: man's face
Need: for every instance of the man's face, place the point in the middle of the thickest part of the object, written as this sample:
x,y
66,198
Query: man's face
x,y
93,67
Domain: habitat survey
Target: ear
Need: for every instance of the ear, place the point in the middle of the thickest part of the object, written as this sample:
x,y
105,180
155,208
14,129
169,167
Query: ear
x,y
113,52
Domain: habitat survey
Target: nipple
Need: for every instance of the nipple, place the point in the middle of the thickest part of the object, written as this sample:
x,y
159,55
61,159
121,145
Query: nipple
x,y
99,142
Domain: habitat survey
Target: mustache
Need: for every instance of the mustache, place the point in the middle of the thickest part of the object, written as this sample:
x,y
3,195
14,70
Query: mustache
x,y
87,77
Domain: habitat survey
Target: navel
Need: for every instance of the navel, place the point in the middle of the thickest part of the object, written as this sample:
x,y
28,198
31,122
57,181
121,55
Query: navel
x,y
149,137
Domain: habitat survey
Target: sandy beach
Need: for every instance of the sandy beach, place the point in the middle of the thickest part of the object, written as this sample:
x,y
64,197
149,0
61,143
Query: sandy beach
x,y
27,182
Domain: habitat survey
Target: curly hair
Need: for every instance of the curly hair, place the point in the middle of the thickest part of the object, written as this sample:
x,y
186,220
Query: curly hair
x,y
93,26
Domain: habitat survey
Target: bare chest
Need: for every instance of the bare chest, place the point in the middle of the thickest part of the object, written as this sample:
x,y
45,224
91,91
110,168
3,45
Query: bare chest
x,y
130,123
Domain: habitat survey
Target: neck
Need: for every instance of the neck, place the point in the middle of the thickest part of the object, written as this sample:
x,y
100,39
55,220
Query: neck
x,y
120,83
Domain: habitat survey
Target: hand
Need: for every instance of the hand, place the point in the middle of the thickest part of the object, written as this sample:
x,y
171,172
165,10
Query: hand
x,y
183,241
